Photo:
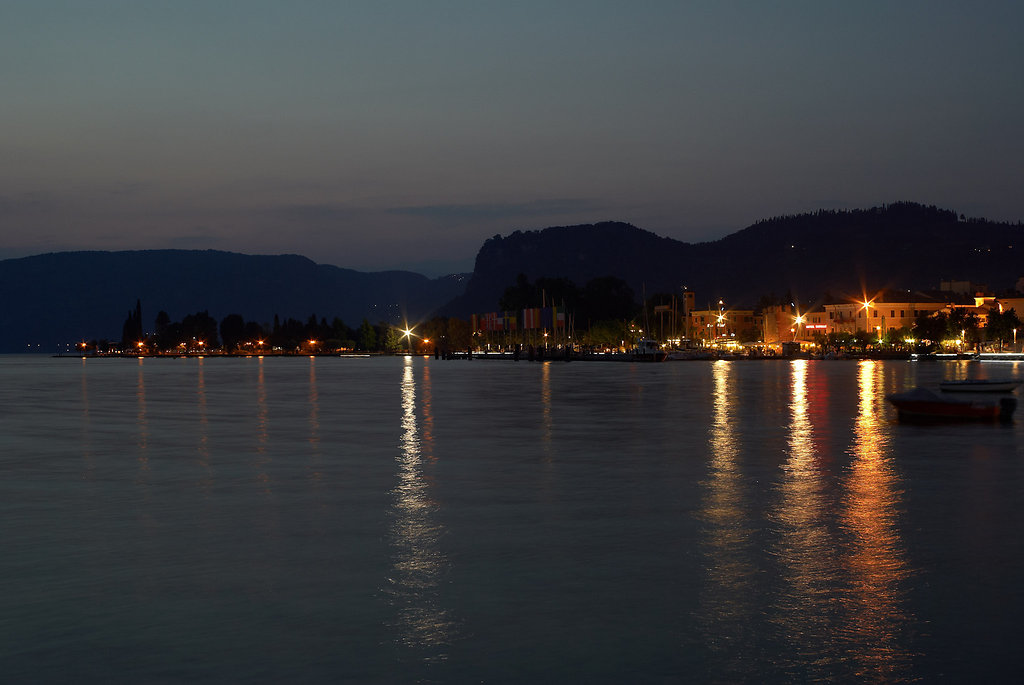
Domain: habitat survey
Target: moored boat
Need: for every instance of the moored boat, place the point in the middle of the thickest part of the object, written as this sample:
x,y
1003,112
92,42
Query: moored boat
x,y
648,350
980,385
921,404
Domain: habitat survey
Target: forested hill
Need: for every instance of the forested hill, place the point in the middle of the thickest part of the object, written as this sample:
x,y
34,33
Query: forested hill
x,y
52,299
903,245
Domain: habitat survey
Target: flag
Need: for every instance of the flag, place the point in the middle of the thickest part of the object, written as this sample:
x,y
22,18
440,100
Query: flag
x,y
531,318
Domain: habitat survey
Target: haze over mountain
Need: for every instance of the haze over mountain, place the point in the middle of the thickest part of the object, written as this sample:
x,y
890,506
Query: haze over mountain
x,y
55,299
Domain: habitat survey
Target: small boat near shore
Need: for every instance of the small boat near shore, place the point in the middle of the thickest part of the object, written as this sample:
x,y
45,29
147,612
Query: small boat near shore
x,y
980,385
648,350
924,405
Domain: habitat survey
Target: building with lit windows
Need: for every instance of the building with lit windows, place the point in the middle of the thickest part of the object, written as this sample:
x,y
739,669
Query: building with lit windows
x,y
710,325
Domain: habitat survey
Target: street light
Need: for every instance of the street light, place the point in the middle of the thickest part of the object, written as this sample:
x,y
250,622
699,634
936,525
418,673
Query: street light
x,y
407,334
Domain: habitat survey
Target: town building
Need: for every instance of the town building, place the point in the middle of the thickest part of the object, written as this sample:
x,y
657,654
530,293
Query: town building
x,y
710,325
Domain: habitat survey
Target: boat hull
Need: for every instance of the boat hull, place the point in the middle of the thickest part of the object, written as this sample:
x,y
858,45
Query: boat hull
x,y
923,405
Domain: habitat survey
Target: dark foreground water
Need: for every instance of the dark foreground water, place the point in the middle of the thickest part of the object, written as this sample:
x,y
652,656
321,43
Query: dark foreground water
x,y
400,520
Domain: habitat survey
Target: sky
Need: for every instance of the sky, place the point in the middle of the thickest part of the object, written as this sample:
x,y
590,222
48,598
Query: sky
x,y
401,134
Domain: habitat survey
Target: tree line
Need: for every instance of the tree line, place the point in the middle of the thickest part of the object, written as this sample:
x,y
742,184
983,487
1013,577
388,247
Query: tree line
x,y
200,331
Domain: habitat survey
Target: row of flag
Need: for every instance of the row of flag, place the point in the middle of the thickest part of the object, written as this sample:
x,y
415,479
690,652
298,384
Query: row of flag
x,y
528,319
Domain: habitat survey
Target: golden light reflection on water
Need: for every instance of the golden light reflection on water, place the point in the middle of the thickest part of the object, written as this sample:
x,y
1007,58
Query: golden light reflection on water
x,y
727,600
806,547
875,562
418,560
547,422
262,430
839,549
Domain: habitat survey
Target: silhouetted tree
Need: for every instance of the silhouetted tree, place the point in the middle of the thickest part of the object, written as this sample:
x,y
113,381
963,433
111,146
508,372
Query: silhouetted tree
x,y
200,327
367,337
930,330
518,296
232,330
1001,326
606,298
131,331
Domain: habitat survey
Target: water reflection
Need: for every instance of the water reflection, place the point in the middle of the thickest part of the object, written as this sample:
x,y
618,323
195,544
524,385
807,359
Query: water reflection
x,y
418,560
728,599
204,431
875,560
262,459
141,424
426,404
314,423
806,546
85,438
547,423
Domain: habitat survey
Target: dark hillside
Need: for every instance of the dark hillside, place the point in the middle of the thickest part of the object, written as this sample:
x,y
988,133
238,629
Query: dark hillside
x,y
903,245
53,299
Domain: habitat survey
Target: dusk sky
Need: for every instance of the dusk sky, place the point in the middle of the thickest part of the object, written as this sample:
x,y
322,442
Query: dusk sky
x,y
402,134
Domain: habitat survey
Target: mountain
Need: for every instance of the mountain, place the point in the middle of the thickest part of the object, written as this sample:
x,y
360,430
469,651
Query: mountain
x,y
903,245
55,299
52,299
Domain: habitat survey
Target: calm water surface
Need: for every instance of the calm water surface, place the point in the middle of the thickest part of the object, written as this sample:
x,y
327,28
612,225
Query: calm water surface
x,y
402,520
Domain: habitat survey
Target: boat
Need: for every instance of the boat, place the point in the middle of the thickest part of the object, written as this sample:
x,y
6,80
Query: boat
x,y
980,385
648,350
922,404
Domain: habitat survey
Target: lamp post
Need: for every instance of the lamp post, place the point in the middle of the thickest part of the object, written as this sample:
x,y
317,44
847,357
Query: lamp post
x,y
407,333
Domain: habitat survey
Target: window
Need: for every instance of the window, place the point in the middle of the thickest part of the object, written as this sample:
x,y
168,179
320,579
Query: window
x,y
892,313
902,314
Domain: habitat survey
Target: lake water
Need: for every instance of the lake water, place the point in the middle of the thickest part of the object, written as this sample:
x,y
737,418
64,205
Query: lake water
x,y
405,519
